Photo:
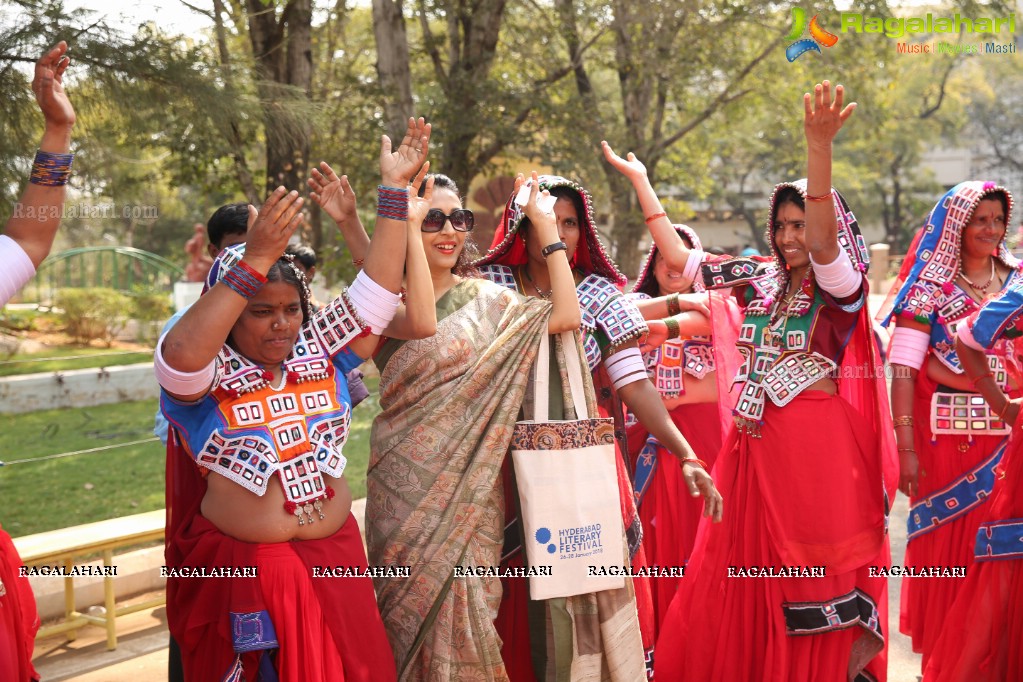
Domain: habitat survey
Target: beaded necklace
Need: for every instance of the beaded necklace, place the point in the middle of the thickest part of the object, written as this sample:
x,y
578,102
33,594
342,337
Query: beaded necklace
x,y
980,288
545,295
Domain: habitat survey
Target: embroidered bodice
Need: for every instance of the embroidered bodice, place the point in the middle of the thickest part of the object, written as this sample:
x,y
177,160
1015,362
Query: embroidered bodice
x,y
609,318
785,344
247,430
943,308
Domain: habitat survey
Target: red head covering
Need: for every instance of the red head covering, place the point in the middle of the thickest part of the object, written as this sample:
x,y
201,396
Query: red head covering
x,y
509,247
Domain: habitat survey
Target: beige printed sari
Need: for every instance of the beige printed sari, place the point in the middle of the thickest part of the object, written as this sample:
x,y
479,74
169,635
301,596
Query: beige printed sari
x,y
435,496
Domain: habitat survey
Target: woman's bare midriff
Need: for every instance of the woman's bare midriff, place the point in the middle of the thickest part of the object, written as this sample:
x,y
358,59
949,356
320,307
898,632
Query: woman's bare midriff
x,y
940,374
703,390
245,516
827,385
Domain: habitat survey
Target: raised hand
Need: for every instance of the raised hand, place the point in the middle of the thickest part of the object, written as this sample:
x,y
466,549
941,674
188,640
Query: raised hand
x,y
419,206
271,227
630,166
398,166
823,116
545,223
332,193
48,86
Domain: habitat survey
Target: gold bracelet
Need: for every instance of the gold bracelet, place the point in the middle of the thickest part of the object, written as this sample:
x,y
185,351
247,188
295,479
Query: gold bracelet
x,y
674,307
674,330
907,449
903,421
1005,408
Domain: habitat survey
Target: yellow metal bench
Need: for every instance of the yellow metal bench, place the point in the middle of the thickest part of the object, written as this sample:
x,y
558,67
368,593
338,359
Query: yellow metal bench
x,y
62,547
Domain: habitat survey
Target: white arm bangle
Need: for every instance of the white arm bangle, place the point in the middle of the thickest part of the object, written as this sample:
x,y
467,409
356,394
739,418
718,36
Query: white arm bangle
x,y
375,304
15,268
839,278
908,347
692,270
964,332
177,382
625,367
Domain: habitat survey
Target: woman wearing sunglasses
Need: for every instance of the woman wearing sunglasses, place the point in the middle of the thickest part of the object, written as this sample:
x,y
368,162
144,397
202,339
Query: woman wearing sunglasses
x,y
612,324
435,500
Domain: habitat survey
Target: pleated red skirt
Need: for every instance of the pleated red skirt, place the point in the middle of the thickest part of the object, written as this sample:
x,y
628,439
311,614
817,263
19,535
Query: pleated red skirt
x,y
323,628
926,601
19,620
800,497
983,631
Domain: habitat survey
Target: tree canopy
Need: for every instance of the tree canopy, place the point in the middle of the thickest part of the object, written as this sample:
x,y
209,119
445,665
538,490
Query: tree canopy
x,y
700,91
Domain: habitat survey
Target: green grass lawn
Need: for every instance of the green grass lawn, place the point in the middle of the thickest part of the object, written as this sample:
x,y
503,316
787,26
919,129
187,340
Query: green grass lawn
x,y
49,360
39,495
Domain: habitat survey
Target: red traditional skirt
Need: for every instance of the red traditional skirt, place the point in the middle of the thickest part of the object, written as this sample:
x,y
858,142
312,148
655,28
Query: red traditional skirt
x,y
18,618
981,640
800,499
943,461
284,621
670,515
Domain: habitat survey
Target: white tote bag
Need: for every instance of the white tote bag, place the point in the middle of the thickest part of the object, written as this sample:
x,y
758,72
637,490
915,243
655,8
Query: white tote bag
x,y
568,490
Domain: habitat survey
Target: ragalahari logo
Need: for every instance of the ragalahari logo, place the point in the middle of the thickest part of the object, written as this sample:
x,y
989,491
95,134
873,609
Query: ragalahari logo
x,y
818,36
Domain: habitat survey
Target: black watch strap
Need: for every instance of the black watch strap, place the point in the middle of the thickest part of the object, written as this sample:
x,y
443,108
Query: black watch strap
x,y
551,248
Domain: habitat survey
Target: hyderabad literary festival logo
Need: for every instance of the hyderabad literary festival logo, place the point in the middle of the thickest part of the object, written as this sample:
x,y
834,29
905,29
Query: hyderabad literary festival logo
x,y
902,27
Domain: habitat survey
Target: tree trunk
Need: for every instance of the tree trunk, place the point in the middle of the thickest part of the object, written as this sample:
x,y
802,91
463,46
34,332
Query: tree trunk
x,y
393,63
241,166
283,52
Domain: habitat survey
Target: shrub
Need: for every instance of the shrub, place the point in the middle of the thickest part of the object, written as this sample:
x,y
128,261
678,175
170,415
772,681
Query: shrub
x,y
19,320
151,309
94,313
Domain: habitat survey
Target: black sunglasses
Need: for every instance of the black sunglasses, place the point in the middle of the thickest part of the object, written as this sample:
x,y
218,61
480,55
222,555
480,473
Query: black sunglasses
x,y
461,219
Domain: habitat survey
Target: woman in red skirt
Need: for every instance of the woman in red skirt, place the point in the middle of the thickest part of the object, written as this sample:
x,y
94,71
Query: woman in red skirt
x,y
786,587
947,460
267,572
980,641
683,371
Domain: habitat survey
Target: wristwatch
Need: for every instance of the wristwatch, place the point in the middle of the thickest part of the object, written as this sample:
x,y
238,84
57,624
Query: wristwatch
x,y
551,248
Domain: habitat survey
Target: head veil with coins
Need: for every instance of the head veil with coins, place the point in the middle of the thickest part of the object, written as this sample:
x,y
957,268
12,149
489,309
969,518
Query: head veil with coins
x,y
934,258
509,246
643,283
770,276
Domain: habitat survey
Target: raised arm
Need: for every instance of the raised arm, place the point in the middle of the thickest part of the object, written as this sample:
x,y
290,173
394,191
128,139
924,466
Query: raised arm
x,y
417,316
566,315
335,196
380,280
823,118
34,221
192,344
672,248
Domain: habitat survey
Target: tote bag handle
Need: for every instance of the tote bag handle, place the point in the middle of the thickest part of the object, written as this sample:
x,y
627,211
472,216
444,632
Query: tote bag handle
x,y
541,383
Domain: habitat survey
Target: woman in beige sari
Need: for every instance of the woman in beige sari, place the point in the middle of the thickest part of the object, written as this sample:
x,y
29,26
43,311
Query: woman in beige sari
x,y
435,494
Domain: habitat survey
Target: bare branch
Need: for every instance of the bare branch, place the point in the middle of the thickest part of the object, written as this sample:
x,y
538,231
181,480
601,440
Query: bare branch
x,y
927,113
